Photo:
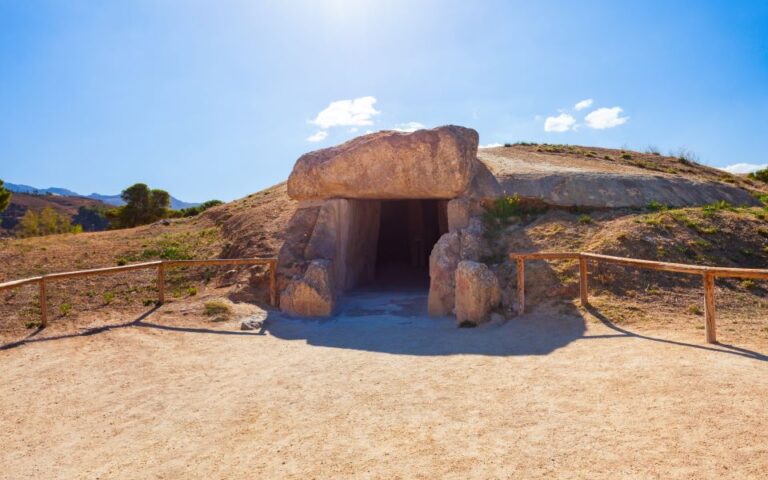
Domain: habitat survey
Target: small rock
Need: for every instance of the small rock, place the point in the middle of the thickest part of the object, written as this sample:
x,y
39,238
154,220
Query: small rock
x,y
252,323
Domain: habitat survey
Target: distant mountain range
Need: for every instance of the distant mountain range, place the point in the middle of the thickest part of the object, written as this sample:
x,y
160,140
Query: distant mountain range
x,y
176,204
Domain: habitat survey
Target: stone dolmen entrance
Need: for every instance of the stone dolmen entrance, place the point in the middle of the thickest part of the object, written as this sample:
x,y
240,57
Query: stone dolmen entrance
x,y
389,207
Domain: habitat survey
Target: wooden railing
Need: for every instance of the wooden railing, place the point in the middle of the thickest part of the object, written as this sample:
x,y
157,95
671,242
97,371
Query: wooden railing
x,y
708,275
161,265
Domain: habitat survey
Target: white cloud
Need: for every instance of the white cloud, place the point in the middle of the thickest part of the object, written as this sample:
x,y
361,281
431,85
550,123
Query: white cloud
x,y
347,113
491,145
408,127
583,104
744,167
318,136
603,118
560,123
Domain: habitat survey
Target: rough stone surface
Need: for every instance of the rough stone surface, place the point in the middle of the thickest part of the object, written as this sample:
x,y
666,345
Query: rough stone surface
x,y
291,260
565,187
437,163
458,214
477,292
443,260
314,294
252,323
472,240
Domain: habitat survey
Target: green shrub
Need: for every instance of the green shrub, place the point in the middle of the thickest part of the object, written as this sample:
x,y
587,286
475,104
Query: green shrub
x,y
108,298
192,291
217,307
655,206
64,309
32,324
711,209
626,156
695,310
45,222
505,207
584,218
748,284
761,175
192,211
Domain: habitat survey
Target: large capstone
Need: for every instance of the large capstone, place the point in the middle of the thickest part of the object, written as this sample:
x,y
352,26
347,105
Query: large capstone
x,y
437,163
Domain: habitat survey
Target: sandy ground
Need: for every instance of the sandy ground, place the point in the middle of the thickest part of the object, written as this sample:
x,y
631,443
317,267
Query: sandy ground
x,y
383,391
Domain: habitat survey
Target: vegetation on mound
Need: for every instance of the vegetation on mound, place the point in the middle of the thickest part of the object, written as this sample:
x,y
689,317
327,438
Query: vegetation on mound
x,y
175,246
45,222
5,196
217,308
761,175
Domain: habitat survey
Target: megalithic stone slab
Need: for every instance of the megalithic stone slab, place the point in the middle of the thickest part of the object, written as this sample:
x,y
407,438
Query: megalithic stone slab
x,y
436,163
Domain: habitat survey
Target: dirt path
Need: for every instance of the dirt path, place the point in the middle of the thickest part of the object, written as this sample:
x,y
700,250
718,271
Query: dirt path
x,y
386,394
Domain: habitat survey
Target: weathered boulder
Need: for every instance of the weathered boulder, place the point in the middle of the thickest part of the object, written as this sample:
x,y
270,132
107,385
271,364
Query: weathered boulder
x,y
477,292
437,163
313,294
291,261
472,240
458,214
443,260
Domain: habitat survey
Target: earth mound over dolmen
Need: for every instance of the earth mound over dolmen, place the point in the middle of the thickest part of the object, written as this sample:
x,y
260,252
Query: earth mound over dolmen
x,y
331,242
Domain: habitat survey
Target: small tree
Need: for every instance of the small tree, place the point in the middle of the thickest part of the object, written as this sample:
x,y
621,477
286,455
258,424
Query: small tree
x,y
5,196
45,222
29,225
91,218
142,206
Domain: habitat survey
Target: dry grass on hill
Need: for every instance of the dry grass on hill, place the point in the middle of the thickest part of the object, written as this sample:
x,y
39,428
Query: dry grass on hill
x,y
614,160
249,227
715,235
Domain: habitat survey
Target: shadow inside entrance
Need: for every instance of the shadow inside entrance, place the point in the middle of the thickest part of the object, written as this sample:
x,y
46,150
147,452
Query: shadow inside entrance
x,y
396,321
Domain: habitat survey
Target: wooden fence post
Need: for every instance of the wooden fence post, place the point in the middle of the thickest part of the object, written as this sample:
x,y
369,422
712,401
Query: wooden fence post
x,y
520,285
710,325
43,304
583,282
161,283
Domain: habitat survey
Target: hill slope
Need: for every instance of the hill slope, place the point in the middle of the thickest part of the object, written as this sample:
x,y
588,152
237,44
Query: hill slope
x,y
253,226
21,202
176,204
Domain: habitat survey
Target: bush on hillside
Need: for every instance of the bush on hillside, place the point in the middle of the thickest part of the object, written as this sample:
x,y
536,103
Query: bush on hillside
x,y
92,219
761,175
45,222
197,210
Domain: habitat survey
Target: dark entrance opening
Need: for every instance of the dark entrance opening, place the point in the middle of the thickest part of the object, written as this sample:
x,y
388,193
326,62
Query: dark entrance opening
x,y
408,230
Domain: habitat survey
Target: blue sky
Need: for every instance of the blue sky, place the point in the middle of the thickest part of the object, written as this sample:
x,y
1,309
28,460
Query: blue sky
x,y
217,99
